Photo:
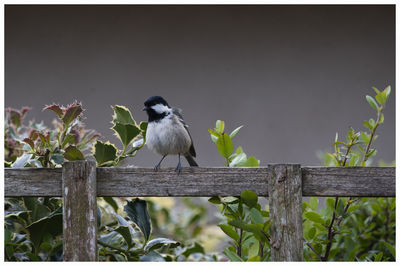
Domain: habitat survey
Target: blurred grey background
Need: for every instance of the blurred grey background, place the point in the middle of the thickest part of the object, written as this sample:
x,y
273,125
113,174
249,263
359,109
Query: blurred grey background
x,y
292,75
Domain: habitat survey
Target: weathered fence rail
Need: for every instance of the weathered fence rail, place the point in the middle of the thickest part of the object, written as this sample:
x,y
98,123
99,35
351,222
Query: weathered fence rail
x,y
198,182
80,182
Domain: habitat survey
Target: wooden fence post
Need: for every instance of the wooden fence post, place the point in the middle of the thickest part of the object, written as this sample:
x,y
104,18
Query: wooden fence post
x,y
79,211
285,206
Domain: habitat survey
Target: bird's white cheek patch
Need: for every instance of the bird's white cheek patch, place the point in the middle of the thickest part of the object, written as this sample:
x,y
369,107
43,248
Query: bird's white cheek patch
x,y
160,108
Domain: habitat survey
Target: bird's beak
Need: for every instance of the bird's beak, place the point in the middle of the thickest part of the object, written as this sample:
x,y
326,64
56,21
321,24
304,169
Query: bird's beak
x,y
144,109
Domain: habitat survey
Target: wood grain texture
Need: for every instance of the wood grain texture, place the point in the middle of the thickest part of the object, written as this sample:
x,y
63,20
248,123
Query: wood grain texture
x,y
349,181
79,211
32,182
317,181
285,207
193,181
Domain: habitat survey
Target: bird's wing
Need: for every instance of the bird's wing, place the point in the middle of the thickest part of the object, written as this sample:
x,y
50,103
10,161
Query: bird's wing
x,y
178,113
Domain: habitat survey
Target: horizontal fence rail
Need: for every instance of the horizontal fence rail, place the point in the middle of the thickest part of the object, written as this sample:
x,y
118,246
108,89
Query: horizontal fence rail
x,y
198,181
79,182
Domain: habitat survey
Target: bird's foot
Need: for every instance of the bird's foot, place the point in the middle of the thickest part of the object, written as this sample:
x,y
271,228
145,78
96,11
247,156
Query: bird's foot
x,y
157,166
178,168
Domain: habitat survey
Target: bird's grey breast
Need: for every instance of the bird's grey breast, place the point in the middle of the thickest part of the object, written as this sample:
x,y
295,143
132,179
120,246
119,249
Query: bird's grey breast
x,y
167,136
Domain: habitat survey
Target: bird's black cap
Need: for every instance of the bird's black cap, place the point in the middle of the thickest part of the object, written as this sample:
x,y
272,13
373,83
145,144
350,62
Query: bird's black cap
x,y
153,100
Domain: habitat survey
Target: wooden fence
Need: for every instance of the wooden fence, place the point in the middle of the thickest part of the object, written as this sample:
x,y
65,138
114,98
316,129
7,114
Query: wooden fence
x,y
80,182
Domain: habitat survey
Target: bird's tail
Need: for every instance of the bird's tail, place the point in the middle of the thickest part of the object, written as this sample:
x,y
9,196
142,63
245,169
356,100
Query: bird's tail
x,y
190,160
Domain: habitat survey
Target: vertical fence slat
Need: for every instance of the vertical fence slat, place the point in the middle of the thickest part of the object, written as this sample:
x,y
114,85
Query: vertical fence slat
x,y
79,211
285,205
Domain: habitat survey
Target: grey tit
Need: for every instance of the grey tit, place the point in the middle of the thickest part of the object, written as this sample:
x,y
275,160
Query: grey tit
x,y
167,133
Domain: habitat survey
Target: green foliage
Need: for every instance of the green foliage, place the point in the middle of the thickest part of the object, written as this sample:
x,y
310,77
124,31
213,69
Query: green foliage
x,y
35,145
246,223
352,229
122,241
224,145
124,244
33,229
33,225
131,135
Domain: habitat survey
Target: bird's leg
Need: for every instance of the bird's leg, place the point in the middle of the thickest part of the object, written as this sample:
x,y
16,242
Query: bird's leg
x,y
159,164
178,167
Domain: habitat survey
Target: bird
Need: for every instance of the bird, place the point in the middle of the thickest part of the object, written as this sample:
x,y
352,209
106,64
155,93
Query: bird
x,y
167,133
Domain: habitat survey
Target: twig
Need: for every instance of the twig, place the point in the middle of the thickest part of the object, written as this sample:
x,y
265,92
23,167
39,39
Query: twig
x,y
312,248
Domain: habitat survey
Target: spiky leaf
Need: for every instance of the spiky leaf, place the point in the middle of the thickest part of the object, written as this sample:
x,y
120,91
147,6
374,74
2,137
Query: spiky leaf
x,y
72,112
137,212
126,132
122,115
104,152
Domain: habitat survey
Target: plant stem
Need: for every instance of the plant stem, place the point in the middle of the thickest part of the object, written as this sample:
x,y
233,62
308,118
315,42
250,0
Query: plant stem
x,y
372,137
239,248
312,248
330,231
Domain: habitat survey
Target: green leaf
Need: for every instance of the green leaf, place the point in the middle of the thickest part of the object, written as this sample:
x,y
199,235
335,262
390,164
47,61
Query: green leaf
x,y
381,119
252,162
152,256
372,102
314,203
376,90
225,145
57,158
215,200
104,152
71,113
51,224
196,248
137,212
239,150
239,160
253,250
228,230
143,126
214,135
112,203
391,249
315,217
126,132
72,153
249,198
122,115
387,91
381,98
234,132
256,229
378,257
231,255
125,230
311,233
219,126
256,217
68,139
160,242
22,161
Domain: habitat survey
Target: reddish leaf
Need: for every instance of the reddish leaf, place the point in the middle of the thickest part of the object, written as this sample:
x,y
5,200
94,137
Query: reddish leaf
x,y
30,142
33,134
15,117
71,113
24,110
55,108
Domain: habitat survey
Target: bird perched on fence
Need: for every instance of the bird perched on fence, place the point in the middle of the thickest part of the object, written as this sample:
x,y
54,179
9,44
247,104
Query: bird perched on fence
x,y
167,133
